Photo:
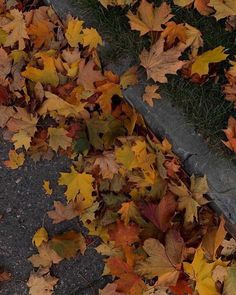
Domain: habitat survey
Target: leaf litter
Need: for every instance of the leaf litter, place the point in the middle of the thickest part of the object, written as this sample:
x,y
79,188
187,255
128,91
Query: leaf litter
x,y
157,232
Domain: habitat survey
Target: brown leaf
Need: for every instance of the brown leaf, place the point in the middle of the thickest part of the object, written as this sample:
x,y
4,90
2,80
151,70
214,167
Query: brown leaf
x,y
150,94
161,214
5,276
63,212
158,63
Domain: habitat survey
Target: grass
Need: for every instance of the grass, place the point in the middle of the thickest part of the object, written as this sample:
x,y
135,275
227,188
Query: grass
x,y
203,105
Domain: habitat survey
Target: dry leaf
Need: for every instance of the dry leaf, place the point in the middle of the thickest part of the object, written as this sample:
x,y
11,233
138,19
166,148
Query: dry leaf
x,y
150,94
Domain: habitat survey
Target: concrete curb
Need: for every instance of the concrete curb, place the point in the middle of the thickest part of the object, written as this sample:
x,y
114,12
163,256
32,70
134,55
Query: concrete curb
x,y
168,121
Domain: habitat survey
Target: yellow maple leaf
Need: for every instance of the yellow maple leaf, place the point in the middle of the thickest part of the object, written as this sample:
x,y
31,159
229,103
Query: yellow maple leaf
x,y
81,183
73,33
223,8
174,31
201,271
40,236
201,63
149,18
21,139
46,186
108,90
15,160
91,38
126,157
16,30
58,138
129,78
46,76
57,106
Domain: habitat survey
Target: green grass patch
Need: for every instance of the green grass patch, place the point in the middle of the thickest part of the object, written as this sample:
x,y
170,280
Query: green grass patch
x,y
203,105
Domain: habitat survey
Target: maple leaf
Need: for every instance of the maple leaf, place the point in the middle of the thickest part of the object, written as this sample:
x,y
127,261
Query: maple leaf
x,y
230,133
46,186
56,105
41,282
58,138
213,239
68,244
63,212
46,257
91,38
107,164
223,8
46,76
164,262
161,214
129,211
41,32
201,271
174,31
149,18
129,77
124,235
73,32
150,94
129,282
78,183
229,247
15,160
230,281
40,236
109,249
87,75
201,63
158,63
16,30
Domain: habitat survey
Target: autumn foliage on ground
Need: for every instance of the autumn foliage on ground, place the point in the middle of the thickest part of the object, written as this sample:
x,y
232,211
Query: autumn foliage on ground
x,y
158,234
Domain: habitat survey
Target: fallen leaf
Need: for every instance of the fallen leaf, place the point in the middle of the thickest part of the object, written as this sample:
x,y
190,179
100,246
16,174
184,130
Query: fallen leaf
x,y
73,32
150,94
201,271
63,212
91,38
41,282
158,63
48,75
223,8
46,186
40,236
110,289
5,276
164,262
15,160
149,18
213,239
46,257
41,32
58,138
129,78
201,63
107,164
78,183
68,244
174,31
160,215
16,30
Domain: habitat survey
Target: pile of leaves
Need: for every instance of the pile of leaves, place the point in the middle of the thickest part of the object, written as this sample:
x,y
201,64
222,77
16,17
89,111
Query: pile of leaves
x,y
177,48
158,235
